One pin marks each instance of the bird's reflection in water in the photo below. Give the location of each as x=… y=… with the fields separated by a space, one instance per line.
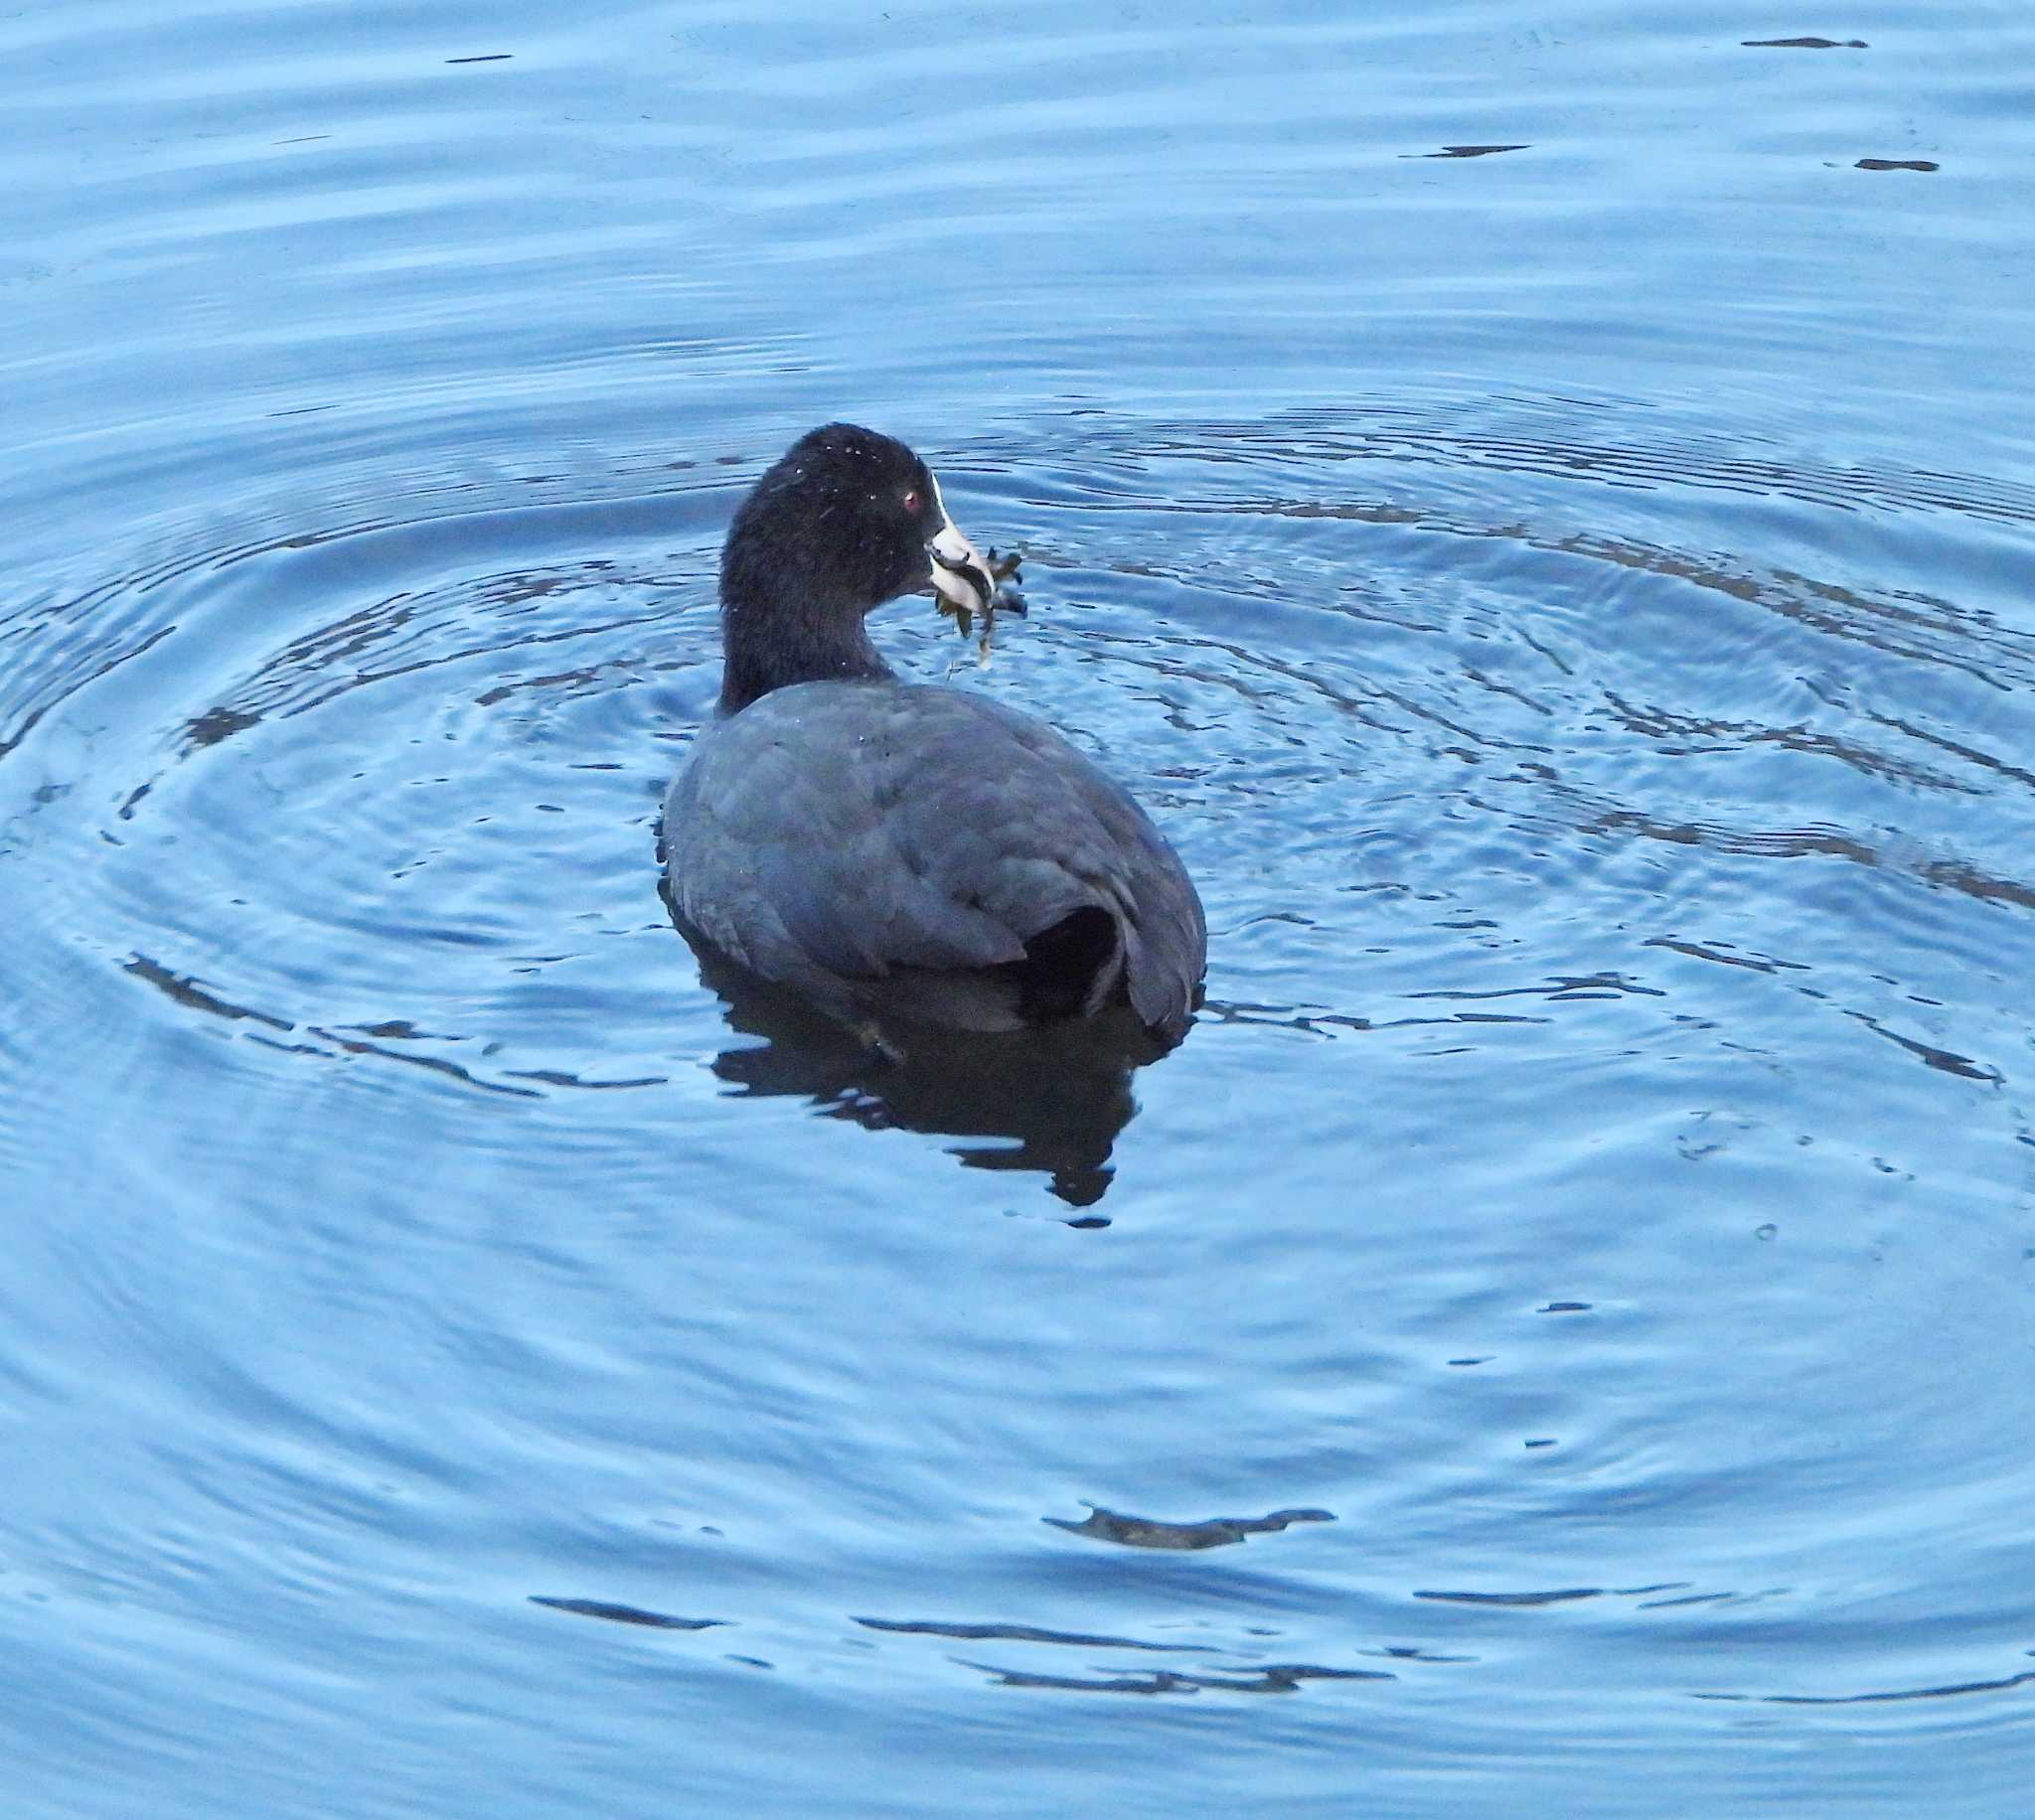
x=1056 y=1098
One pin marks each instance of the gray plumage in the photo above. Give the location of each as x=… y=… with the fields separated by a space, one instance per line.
x=891 y=850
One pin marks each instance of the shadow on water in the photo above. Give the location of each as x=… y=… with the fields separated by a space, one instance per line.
x=1051 y=1101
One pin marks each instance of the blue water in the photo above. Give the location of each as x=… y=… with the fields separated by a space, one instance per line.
x=1559 y=1336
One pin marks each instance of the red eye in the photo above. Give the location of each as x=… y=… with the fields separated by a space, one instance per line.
x=911 y=499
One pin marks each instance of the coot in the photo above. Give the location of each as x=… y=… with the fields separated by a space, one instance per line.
x=888 y=851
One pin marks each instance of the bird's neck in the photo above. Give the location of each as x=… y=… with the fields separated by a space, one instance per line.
x=767 y=645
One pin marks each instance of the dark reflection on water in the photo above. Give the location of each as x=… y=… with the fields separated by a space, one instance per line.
x=1470 y=151
x=1210 y=1532
x=1561 y=1596
x=2005 y=1684
x=1279 y=1678
x=188 y=992
x=1058 y=1097
x=1606 y=439
x=1571 y=610
x=1020 y=1633
x=626 y=1615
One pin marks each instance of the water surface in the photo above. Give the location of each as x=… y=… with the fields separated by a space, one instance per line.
x=1539 y=507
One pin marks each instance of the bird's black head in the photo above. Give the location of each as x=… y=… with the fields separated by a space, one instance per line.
x=846 y=519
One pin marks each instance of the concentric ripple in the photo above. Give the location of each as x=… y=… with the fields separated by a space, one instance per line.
x=1560 y=1322
x=1500 y=777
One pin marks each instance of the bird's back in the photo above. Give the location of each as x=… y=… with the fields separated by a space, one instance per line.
x=867 y=842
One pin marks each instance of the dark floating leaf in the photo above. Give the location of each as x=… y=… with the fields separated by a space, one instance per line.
x=1802 y=44
x=626 y=1615
x=1469 y=151
x=1898 y=164
x=1212 y=1532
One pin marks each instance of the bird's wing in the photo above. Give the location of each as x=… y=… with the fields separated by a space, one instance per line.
x=847 y=831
